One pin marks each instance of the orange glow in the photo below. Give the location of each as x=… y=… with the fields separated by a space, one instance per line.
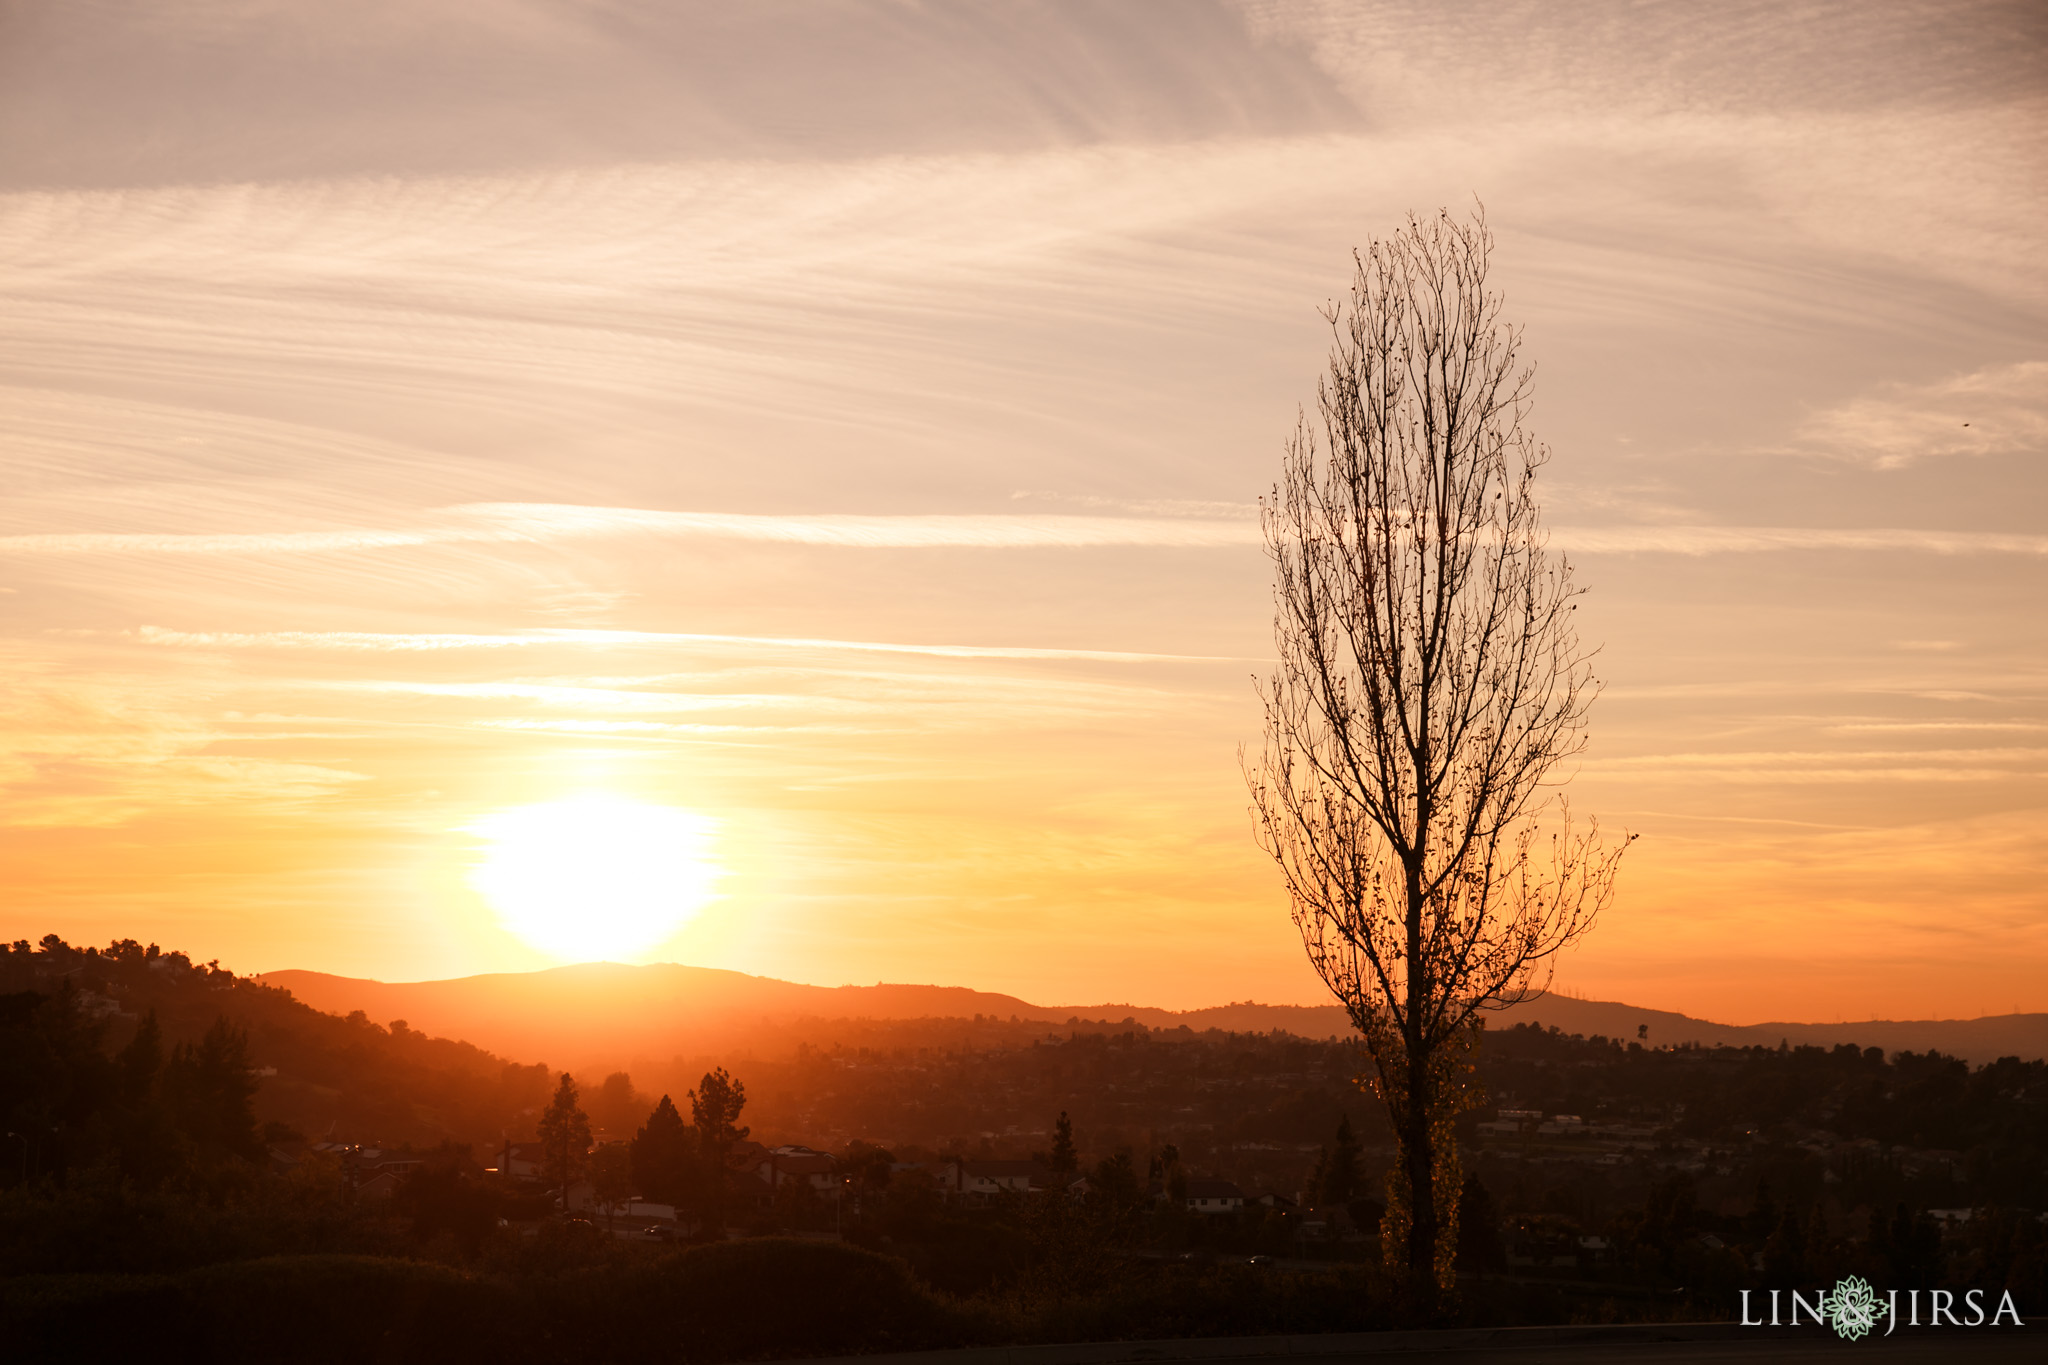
x=869 y=464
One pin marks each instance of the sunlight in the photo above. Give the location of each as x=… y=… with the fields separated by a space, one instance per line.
x=595 y=876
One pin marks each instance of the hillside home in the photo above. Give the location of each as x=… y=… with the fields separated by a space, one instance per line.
x=980 y=1181
x=789 y=1164
x=1213 y=1196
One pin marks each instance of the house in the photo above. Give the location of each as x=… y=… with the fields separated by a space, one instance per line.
x=379 y=1186
x=397 y=1163
x=583 y=1199
x=980 y=1181
x=365 y=1163
x=1213 y=1196
x=790 y=1164
x=522 y=1161
x=1273 y=1200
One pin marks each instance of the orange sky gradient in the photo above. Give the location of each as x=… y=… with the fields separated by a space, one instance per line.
x=844 y=425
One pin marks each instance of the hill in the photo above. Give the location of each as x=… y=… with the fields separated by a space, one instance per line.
x=317 y=1072
x=603 y=1014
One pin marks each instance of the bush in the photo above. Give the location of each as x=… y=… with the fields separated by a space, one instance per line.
x=314 y=1309
x=759 y=1299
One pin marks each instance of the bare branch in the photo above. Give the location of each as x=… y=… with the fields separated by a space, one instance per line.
x=1430 y=679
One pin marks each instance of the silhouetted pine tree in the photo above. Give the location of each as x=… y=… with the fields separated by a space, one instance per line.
x=210 y=1092
x=1064 y=1160
x=564 y=1136
x=661 y=1155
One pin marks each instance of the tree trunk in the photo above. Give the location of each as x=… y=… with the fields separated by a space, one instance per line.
x=1418 y=1150
x=1419 y=1156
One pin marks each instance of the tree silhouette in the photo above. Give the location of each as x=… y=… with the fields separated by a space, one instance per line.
x=715 y=1107
x=613 y=1105
x=1337 y=1178
x=1479 y=1245
x=1063 y=1159
x=661 y=1155
x=611 y=1178
x=564 y=1137
x=1429 y=682
x=211 y=1093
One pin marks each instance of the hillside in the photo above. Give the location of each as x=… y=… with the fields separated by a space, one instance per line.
x=318 y=1072
x=604 y=1014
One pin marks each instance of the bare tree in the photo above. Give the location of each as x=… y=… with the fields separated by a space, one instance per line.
x=1430 y=681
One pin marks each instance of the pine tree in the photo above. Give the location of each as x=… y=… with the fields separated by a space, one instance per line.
x=661 y=1155
x=564 y=1136
x=1340 y=1177
x=211 y=1093
x=1064 y=1160
x=715 y=1107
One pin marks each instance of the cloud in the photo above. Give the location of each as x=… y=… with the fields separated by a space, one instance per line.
x=368 y=640
x=1922 y=726
x=104 y=753
x=597 y=698
x=248 y=90
x=1708 y=540
x=543 y=521
x=1812 y=768
x=1156 y=507
x=1997 y=411
x=511 y=523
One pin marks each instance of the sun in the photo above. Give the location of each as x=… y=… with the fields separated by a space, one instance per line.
x=595 y=876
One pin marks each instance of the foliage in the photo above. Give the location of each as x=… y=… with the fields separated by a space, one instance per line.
x=731 y=1301
x=142 y=1005
x=1063 y=1159
x=137 y=1208
x=715 y=1107
x=1433 y=1096
x=611 y=1176
x=1429 y=680
x=564 y=1136
x=208 y=1089
x=1336 y=1178
x=661 y=1155
x=614 y=1105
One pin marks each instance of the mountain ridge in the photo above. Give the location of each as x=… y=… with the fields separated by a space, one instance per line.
x=611 y=1012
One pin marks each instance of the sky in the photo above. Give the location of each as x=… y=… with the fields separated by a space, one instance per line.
x=836 y=429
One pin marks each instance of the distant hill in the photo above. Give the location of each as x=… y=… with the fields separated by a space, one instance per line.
x=605 y=1013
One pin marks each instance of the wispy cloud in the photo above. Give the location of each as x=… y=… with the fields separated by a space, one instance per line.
x=596 y=698
x=509 y=523
x=1995 y=411
x=1809 y=767
x=1153 y=507
x=536 y=522
x=1935 y=726
x=401 y=642
x=542 y=521
x=1711 y=540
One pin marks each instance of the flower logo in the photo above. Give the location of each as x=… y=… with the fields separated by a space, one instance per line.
x=1852 y=1307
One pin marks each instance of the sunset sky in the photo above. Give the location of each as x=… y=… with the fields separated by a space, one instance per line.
x=834 y=430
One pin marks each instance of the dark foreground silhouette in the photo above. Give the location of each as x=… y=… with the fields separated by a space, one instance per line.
x=198 y=1167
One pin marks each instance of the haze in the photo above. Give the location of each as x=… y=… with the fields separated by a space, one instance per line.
x=842 y=423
